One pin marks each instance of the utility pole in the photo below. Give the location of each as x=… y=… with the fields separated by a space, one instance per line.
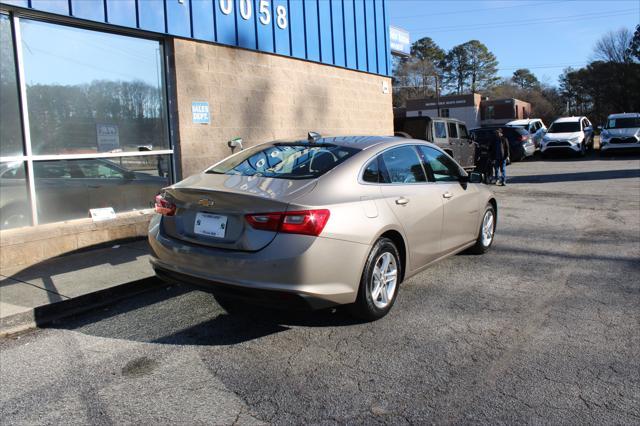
x=437 y=95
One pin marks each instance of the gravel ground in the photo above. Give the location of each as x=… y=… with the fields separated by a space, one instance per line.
x=543 y=329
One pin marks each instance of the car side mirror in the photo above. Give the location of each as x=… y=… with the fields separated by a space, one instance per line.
x=475 y=177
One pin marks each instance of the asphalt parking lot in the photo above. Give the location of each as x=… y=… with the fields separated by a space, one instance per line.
x=543 y=329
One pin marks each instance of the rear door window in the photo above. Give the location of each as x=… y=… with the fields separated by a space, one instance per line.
x=372 y=173
x=402 y=165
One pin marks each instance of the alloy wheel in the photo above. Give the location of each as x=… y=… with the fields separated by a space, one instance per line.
x=487 y=228
x=383 y=284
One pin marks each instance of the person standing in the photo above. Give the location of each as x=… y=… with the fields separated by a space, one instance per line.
x=500 y=154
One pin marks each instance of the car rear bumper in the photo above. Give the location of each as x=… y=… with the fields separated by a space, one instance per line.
x=319 y=271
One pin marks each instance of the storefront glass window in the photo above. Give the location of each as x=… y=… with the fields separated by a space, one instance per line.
x=92 y=92
x=10 y=125
x=14 y=201
x=68 y=189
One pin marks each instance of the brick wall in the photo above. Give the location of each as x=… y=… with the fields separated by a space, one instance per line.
x=261 y=97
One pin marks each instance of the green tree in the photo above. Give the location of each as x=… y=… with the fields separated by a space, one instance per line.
x=470 y=65
x=456 y=68
x=426 y=49
x=415 y=76
x=525 y=79
x=483 y=66
x=591 y=90
x=634 y=47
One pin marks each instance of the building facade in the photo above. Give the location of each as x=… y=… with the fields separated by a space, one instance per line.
x=104 y=102
x=501 y=111
x=462 y=107
x=474 y=109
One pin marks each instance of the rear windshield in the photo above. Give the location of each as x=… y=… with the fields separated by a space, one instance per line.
x=566 y=127
x=623 y=123
x=285 y=161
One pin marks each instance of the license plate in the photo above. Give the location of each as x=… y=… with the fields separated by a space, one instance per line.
x=211 y=225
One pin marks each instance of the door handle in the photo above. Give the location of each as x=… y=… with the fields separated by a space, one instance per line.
x=447 y=195
x=402 y=201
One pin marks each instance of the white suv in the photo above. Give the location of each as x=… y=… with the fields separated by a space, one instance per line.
x=534 y=126
x=621 y=131
x=569 y=134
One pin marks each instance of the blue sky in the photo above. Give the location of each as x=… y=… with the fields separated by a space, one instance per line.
x=545 y=36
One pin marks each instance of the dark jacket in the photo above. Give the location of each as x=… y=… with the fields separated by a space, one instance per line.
x=500 y=148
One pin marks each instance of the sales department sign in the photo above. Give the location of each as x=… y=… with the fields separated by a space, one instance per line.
x=200 y=112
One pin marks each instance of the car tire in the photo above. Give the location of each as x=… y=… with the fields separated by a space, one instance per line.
x=375 y=299
x=486 y=232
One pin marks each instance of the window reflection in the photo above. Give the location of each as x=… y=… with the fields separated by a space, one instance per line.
x=68 y=189
x=14 y=200
x=92 y=92
x=10 y=125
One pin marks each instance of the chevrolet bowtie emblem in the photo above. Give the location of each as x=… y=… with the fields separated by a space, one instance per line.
x=205 y=202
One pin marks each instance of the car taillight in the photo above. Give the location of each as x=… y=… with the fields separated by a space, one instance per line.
x=305 y=222
x=164 y=206
x=265 y=221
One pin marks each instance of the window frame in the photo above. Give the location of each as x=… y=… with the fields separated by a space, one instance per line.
x=28 y=158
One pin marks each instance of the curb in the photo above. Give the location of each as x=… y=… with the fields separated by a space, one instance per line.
x=45 y=314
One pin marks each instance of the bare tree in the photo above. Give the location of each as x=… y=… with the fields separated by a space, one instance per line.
x=614 y=47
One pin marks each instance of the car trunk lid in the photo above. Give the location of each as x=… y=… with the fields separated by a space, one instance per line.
x=211 y=208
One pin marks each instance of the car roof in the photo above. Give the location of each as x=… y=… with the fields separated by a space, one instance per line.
x=568 y=119
x=361 y=142
x=625 y=115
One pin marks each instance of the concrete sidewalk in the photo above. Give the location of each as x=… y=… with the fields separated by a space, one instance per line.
x=71 y=283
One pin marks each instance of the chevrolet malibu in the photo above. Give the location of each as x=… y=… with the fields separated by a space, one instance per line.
x=320 y=222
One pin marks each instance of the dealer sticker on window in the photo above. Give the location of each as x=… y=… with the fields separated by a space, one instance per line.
x=211 y=225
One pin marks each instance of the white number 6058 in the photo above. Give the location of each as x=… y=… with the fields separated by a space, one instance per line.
x=226 y=7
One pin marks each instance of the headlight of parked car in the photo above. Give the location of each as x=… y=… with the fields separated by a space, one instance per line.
x=575 y=140
x=605 y=135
